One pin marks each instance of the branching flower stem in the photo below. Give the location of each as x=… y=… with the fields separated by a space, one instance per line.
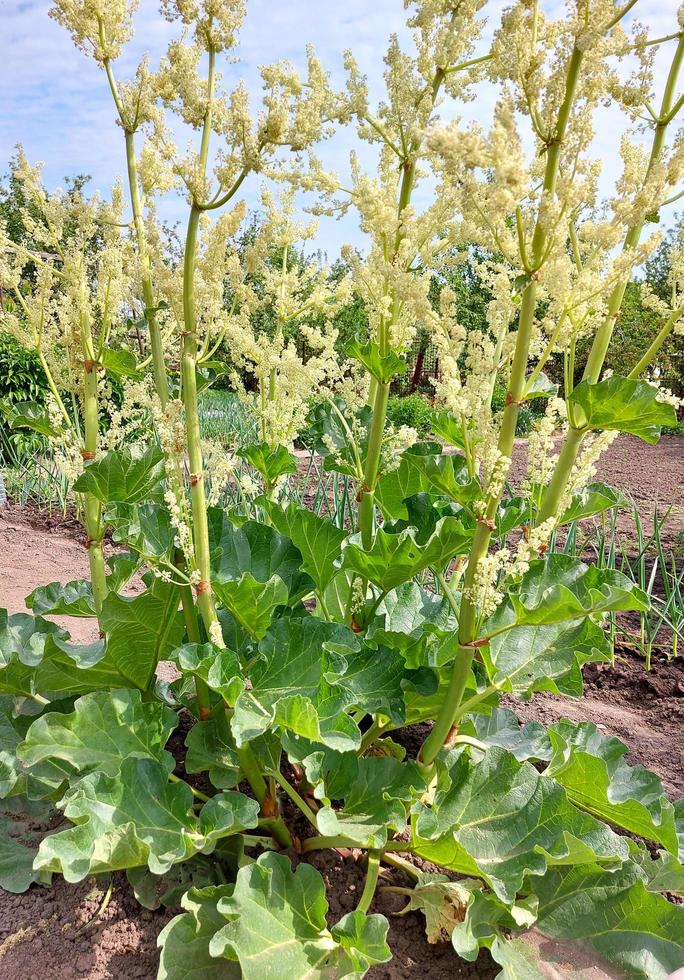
x=599 y=348
x=161 y=380
x=205 y=599
x=91 y=422
x=468 y=614
x=380 y=391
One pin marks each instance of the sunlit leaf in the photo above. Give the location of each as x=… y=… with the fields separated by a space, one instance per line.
x=278 y=926
x=501 y=820
x=137 y=818
x=131 y=474
x=142 y=630
x=592 y=499
x=376 y=792
x=591 y=768
x=271 y=462
x=613 y=912
x=144 y=527
x=318 y=541
x=184 y=941
x=383 y=367
x=219 y=669
x=545 y=658
x=29 y=415
x=396 y=558
x=624 y=405
x=103 y=729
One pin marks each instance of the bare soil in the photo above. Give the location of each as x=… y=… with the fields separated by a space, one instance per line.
x=60 y=933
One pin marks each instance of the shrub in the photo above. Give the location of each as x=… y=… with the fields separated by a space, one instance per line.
x=21 y=379
x=411 y=410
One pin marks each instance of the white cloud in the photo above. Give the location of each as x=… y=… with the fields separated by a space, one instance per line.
x=56 y=101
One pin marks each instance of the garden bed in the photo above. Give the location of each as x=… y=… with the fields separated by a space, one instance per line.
x=61 y=933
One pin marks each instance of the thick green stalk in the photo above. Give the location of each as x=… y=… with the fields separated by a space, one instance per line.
x=468 y=618
x=161 y=381
x=601 y=342
x=379 y=393
x=371 y=882
x=658 y=341
x=372 y=464
x=200 y=524
x=92 y=507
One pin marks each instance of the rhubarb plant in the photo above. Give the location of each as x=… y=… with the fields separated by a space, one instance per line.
x=303 y=649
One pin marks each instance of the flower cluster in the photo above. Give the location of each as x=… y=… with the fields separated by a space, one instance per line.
x=280 y=332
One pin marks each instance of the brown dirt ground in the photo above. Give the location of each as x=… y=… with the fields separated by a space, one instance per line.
x=57 y=934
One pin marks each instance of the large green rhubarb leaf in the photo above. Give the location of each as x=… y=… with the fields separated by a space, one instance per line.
x=103 y=729
x=394 y=559
x=501 y=820
x=144 y=527
x=76 y=598
x=132 y=474
x=417 y=622
x=408 y=479
x=623 y=404
x=17 y=779
x=29 y=415
x=613 y=911
x=278 y=926
x=545 y=658
x=185 y=940
x=592 y=499
x=448 y=474
x=318 y=541
x=591 y=768
x=662 y=872
x=36 y=657
x=502 y=728
x=72 y=599
x=138 y=818
x=211 y=748
x=252 y=603
x=383 y=367
x=560 y=587
x=271 y=462
x=254 y=549
x=219 y=669
x=23 y=638
x=376 y=792
x=309 y=673
x=255 y=570
x=142 y=630
x=290 y=684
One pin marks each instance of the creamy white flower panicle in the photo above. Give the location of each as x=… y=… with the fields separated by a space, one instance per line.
x=541 y=452
x=83 y=267
x=99 y=27
x=279 y=330
x=442 y=191
x=216 y=23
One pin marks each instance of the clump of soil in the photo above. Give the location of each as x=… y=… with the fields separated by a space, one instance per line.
x=59 y=933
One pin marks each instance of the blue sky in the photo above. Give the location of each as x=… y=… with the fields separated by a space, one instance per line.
x=55 y=100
